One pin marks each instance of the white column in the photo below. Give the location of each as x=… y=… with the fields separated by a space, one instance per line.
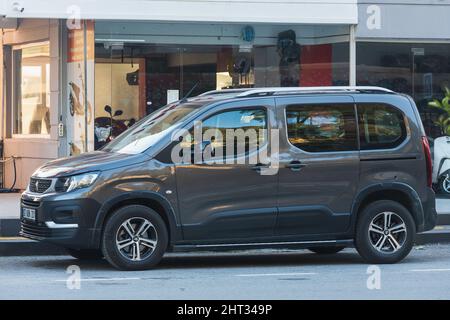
x=352 y=77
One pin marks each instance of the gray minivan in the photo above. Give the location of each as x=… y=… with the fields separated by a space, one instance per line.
x=311 y=168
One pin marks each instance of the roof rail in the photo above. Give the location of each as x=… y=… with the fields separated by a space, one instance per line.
x=293 y=90
x=223 y=91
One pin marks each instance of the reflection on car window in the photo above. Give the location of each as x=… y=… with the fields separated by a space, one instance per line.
x=246 y=127
x=150 y=129
x=322 y=128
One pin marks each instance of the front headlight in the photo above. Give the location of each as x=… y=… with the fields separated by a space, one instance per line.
x=76 y=182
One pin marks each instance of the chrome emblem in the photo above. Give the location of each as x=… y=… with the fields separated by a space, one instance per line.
x=37 y=185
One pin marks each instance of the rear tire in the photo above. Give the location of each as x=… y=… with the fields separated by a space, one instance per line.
x=385 y=232
x=85 y=254
x=135 y=237
x=327 y=250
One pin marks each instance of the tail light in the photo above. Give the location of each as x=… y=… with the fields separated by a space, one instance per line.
x=427 y=151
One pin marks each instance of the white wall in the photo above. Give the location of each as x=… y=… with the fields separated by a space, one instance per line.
x=426 y=20
x=269 y=11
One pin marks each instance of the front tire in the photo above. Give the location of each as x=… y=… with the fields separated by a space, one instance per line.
x=135 y=237
x=385 y=232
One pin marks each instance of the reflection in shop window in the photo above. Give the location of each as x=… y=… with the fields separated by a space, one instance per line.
x=421 y=70
x=31 y=108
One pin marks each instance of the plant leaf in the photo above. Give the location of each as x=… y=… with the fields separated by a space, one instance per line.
x=435 y=103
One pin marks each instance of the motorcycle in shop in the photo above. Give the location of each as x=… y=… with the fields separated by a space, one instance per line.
x=108 y=128
x=440 y=149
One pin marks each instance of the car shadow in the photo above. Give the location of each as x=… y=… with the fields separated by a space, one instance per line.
x=217 y=260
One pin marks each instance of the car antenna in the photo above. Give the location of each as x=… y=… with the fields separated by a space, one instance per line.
x=184 y=99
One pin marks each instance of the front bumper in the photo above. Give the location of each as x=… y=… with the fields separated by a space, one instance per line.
x=69 y=223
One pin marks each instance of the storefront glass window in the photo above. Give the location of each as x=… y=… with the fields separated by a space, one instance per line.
x=31 y=105
x=421 y=70
x=140 y=67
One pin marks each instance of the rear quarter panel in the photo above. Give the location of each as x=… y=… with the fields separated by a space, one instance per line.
x=402 y=164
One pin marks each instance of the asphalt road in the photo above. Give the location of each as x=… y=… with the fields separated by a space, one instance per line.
x=267 y=274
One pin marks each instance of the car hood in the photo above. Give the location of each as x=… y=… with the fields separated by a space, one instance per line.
x=86 y=162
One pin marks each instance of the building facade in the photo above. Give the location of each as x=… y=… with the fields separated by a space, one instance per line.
x=69 y=65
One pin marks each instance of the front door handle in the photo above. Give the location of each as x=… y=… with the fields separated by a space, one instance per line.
x=295 y=165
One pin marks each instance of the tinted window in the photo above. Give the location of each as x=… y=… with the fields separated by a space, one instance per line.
x=381 y=126
x=247 y=127
x=322 y=128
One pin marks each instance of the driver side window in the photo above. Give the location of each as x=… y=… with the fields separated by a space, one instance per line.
x=231 y=133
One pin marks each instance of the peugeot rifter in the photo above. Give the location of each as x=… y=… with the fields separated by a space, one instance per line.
x=311 y=168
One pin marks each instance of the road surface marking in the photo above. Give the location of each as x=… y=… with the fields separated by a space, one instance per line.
x=275 y=274
x=100 y=279
x=429 y=270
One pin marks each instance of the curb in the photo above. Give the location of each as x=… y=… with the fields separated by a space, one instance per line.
x=9 y=227
x=24 y=247
x=441 y=234
x=443 y=219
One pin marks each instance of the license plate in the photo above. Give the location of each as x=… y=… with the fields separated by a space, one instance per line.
x=29 y=214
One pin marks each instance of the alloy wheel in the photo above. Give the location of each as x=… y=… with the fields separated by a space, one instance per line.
x=136 y=239
x=387 y=232
x=446 y=184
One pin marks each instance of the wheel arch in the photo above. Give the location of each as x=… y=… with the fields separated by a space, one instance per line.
x=150 y=199
x=399 y=192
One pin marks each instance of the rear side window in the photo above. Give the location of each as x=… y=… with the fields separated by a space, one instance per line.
x=381 y=126
x=322 y=127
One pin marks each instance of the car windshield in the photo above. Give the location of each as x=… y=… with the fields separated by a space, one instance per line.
x=150 y=129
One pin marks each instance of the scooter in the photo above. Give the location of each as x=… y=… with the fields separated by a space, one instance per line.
x=107 y=128
x=440 y=150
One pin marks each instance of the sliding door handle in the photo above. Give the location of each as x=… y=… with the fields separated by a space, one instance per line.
x=295 y=165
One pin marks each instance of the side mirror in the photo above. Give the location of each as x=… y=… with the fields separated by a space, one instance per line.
x=118 y=113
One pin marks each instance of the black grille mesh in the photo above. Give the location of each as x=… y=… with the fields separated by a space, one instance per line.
x=39 y=185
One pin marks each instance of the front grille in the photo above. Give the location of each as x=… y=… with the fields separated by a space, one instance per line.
x=41 y=231
x=30 y=203
x=40 y=185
